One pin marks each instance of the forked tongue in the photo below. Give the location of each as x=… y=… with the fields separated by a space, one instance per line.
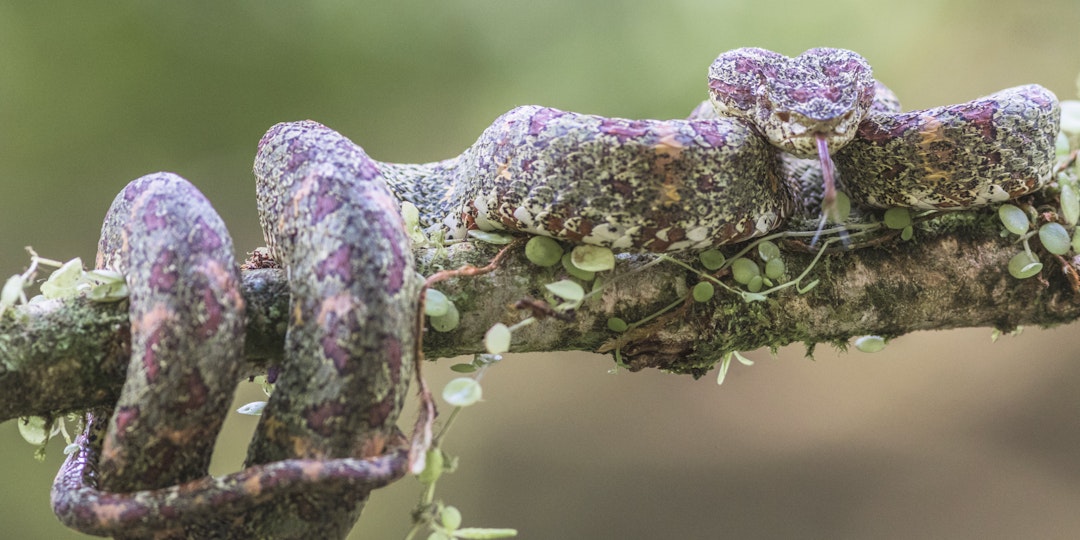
x=828 y=173
x=830 y=211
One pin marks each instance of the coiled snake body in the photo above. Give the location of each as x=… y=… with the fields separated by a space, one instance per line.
x=328 y=212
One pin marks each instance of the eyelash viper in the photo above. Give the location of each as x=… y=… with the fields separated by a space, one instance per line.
x=330 y=217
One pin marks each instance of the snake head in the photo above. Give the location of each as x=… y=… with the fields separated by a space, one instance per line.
x=793 y=102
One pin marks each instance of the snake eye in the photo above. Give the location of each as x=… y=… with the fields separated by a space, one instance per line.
x=783 y=116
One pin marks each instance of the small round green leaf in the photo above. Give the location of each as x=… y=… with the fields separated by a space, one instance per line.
x=410 y=214
x=491 y=237
x=907 y=233
x=462 y=392
x=1014 y=219
x=32 y=429
x=463 y=368
x=703 y=291
x=768 y=251
x=1054 y=238
x=447 y=322
x=106 y=285
x=497 y=339
x=583 y=275
x=774 y=268
x=543 y=251
x=567 y=290
x=1070 y=203
x=743 y=270
x=1022 y=266
x=755 y=284
x=62 y=282
x=897 y=218
x=433 y=466
x=592 y=258
x=870 y=344
x=436 y=304
x=450 y=518
x=108 y=292
x=712 y=259
x=616 y=324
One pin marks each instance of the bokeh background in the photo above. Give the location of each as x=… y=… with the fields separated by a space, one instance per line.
x=942 y=435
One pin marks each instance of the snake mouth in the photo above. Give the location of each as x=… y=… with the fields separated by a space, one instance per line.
x=798 y=134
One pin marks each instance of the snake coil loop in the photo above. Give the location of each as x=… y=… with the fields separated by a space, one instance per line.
x=328 y=435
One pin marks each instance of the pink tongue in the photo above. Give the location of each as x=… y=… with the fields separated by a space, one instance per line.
x=828 y=172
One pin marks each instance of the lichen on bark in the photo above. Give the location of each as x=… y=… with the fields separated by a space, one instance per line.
x=952 y=274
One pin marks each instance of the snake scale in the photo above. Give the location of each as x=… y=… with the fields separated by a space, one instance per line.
x=330 y=217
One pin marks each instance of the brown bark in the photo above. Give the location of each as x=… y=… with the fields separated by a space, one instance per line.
x=63 y=356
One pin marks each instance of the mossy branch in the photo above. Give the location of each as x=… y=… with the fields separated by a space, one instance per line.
x=67 y=355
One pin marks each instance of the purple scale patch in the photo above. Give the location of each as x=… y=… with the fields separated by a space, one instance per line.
x=325 y=417
x=740 y=95
x=150 y=363
x=747 y=65
x=624 y=130
x=133 y=190
x=163 y=276
x=152 y=218
x=125 y=418
x=710 y=131
x=334 y=351
x=541 y=118
x=885 y=132
x=368 y=168
x=297 y=158
x=204 y=238
x=324 y=203
x=338 y=264
x=981 y=117
x=214 y=311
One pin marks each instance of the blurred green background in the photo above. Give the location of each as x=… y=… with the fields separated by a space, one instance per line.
x=941 y=435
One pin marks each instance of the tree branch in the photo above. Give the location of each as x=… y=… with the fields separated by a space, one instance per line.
x=67 y=355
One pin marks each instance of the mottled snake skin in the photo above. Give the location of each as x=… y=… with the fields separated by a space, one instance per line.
x=987 y=150
x=733 y=171
x=673 y=185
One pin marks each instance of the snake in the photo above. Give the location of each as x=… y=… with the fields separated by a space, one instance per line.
x=331 y=218
x=728 y=172
x=327 y=436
